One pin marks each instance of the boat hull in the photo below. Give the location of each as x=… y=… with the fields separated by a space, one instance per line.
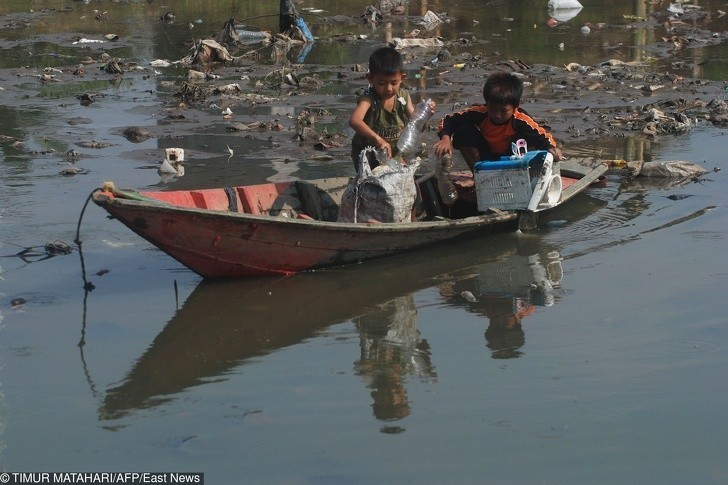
x=198 y=229
x=217 y=244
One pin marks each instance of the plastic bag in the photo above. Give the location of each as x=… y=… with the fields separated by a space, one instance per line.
x=675 y=169
x=385 y=194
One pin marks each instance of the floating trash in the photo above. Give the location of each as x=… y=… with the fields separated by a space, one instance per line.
x=468 y=296
x=83 y=40
x=172 y=163
x=564 y=10
x=57 y=246
x=72 y=170
x=136 y=134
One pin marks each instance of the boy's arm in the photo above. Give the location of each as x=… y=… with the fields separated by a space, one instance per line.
x=450 y=123
x=410 y=106
x=356 y=121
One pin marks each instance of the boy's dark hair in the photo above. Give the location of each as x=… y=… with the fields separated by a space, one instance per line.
x=385 y=60
x=503 y=88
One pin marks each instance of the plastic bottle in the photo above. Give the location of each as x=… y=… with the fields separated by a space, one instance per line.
x=250 y=34
x=305 y=31
x=383 y=159
x=407 y=142
x=447 y=190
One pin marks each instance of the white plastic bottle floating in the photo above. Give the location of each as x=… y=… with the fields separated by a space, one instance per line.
x=407 y=142
x=447 y=190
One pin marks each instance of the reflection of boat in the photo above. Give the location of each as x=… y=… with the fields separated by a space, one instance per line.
x=287 y=227
x=223 y=324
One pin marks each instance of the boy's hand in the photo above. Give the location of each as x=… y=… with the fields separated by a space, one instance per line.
x=384 y=146
x=443 y=147
x=556 y=153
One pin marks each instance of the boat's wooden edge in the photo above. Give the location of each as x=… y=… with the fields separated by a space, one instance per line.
x=126 y=194
x=109 y=203
x=586 y=176
x=578 y=167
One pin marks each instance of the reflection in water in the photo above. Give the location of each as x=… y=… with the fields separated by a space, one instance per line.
x=392 y=350
x=224 y=324
x=288 y=53
x=505 y=292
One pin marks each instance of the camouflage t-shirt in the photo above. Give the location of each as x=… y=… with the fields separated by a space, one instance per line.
x=387 y=124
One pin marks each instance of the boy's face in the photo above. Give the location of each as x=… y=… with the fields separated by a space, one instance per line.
x=386 y=85
x=500 y=114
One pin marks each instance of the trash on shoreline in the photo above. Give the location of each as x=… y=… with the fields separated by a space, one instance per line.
x=400 y=43
x=232 y=88
x=234 y=35
x=431 y=20
x=291 y=24
x=207 y=51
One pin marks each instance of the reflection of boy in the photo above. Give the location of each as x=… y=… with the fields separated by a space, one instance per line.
x=485 y=132
x=391 y=349
x=504 y=335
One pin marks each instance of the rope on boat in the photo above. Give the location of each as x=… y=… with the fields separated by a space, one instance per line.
x=87 y=285
x=80 y=217
x=356 y=199
x=106 y=187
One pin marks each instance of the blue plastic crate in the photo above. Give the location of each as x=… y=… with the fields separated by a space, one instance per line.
x=508 y=183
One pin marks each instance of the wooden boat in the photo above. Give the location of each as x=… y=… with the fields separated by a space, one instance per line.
x=289 y=227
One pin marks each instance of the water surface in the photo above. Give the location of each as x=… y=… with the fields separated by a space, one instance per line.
x=592 y=350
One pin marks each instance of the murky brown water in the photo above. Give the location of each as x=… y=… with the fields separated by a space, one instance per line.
x=407 y=369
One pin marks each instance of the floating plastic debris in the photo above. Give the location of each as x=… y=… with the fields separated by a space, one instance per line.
x=564 y=10
x=172 y=164
x=83 y=40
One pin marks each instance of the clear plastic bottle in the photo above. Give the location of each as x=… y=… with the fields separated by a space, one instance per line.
x=250 y=34
x=407 y=142
x=448 y=192
x=383 y=159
